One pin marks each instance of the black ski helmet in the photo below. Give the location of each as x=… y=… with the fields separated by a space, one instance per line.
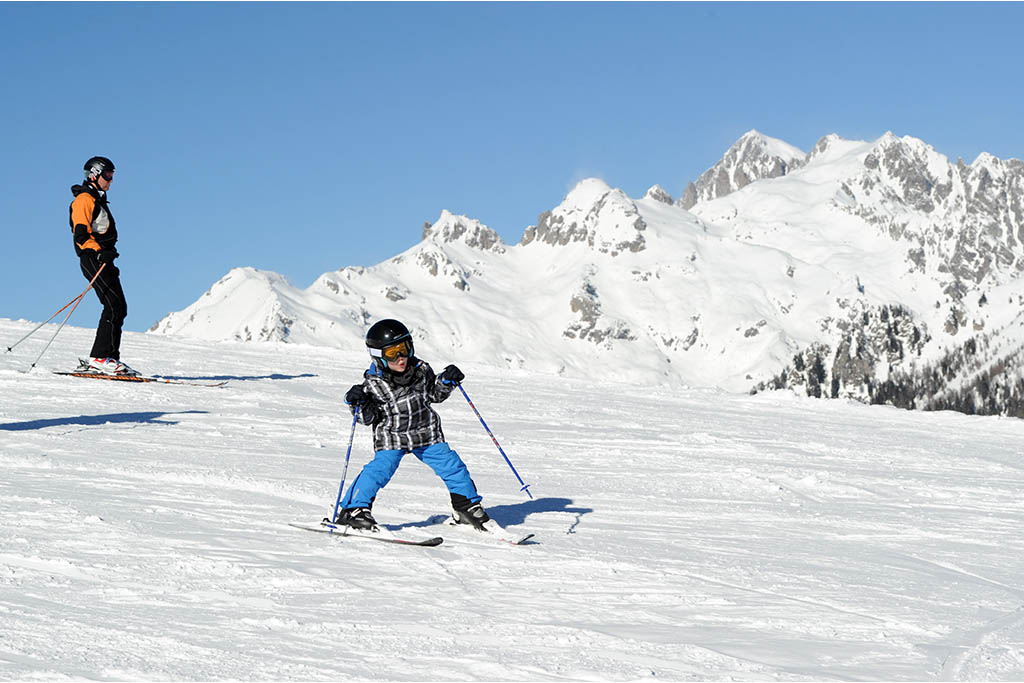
x=385 y=333
x=97 y=166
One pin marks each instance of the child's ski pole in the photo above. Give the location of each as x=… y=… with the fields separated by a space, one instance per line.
x=526 y=486
x=348 y=453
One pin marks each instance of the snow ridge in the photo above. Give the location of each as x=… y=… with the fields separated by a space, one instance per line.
x=831 y=273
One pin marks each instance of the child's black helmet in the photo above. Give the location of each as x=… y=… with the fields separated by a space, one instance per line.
x=386 y=334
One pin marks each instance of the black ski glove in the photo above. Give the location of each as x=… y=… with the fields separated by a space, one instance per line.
x=356 y=396
x=372 y=413
x=451 y=375
x=107 y=256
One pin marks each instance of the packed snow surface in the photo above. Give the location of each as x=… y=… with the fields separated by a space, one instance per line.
x=680 y=533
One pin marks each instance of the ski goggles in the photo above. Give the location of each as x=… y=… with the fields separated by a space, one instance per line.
x=396 y=351
x=107 y=175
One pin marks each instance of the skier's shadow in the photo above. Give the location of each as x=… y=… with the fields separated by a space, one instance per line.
x=511 y=515
x=152 y=418
x=234 y=378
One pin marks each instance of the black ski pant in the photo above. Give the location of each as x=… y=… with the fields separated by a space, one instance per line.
x=115 y=307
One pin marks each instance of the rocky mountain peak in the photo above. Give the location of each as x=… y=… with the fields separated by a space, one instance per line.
x=753 y=157
x=605 y=219
x=659 y=194
x=962 y=223
x=451 y=228
x=585 y=195
x=824 y=143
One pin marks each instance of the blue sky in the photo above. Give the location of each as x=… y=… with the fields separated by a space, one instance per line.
x=304 y=137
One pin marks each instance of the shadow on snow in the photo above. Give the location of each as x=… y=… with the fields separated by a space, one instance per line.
x=112 y=418
x=512 y=515
x=233 y=378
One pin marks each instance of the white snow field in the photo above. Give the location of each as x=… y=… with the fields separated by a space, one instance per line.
x=680 y=533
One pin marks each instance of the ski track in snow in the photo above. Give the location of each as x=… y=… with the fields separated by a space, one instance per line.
x=681 y=534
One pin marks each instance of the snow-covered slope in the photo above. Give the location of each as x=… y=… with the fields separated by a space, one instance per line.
x=589 y=290
x=868 y=258
x=939 y=244
x=682 y=534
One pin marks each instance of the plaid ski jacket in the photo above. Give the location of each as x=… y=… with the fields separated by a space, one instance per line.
x=408 y=420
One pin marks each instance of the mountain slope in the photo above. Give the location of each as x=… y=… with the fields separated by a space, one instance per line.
x=588 y=288
x=810 y=257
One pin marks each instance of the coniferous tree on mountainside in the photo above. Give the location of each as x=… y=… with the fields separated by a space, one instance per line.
x=959 y=380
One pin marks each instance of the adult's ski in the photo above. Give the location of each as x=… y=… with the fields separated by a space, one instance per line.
x=337 y=531
x=139 y=379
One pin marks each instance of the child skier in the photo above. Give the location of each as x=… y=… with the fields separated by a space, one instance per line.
x=395 y=399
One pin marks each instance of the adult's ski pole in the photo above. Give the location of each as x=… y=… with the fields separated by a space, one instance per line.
x=526 y=487
x=73 y=301
x=102 y=266
x=348 y=453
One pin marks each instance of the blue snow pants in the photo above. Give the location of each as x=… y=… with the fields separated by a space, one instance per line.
x=445 y=462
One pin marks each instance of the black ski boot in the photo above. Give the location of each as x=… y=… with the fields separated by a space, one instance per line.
x=357 y=518
x=474 y=514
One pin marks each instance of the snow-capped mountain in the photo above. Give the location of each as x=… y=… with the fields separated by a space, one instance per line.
x=842 y=272
x=753 y=157
x=942 y=241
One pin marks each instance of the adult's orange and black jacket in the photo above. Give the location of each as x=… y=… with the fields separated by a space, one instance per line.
x=91 y=220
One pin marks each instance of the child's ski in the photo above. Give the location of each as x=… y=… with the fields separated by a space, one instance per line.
x=347 y=532
x=491 y=533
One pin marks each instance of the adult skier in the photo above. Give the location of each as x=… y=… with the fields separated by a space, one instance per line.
x=395 y=399
x=95 y=238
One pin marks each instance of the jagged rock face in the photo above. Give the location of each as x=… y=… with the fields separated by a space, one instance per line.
x=821 y=146
x=451 y=228
x=438 y=264
x=690 y=197
x=276 y=328
x=960 y=222
x=591 y=324
x=658 y=194
x=868 y=344
x=610 y=223
x=981 y=376
x=993 y=220
x=753 y=157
